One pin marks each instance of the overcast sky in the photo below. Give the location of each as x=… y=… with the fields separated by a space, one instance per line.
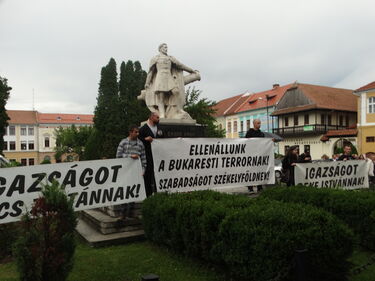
x=56 y=48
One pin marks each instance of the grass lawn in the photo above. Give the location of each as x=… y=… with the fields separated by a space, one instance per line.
x=130 y=262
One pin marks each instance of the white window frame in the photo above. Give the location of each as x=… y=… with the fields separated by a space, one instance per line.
x=371 y=105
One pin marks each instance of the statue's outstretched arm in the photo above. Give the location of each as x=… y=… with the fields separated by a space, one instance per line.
x=181 y=66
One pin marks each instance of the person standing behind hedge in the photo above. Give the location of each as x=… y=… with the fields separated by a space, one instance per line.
x=289 y=161
x=255 y=133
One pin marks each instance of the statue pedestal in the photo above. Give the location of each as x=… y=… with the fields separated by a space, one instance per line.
x=184 y=128
x=181 y=128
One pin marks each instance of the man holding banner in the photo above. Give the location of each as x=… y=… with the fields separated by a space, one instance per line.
x=255 y=133
x=347 y=155
x=147 y=133
x=132 y=147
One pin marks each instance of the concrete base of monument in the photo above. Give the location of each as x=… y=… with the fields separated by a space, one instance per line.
x=181 y=128
x=177 y=121
x=99 y=228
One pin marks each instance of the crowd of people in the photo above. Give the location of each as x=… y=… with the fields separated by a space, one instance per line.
x=292 y=157
x=138 y=146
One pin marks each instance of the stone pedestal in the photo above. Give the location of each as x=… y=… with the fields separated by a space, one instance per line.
x=183 y=128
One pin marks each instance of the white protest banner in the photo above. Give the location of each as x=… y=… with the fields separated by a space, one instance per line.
x=351 y=174
x=202 y=163
x=92 y=183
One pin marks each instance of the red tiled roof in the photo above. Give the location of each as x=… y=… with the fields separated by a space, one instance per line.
x=346 y=132
x=323 y=97
x=60 y=118
x=369 y=86
x=241 y=103
x=259 y=100
x=22 y=116
x=223 y=106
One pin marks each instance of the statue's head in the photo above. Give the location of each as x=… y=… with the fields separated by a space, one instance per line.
x=163 y=48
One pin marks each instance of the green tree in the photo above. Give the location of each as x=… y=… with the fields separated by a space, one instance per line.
x=107 y=119
x=71 y=141
x=132 y=80
x=202 y=110
x=4 y=96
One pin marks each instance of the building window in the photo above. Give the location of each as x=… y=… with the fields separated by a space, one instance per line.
x=306 y=148
x=286 y=121
x=247 y=124
x=23 y=162
x=31 y=162
x=235 y=126
x=23 y=145
x=371 y=105
x=341 y=120
x=307 y=121
x=241 y=126
x=286 y=148
x=329 y=117
x=370 y=139
x=295 y=120
x=12 y=145
x=12 y=130
x=31 y=131
x=6 y=131
x=23 y=131
x=347 y=120
x=5 y=145
x=323 y=119
x=46 y=142
x=31 y=145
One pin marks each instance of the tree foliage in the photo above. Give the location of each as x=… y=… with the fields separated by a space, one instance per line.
x=4 y=96
x=107 y=119
x=202 y=110
x=71 y=141
x=117 y=108
x=131 y=83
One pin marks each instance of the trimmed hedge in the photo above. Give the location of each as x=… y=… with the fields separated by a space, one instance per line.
x=356 y=209
x=253 y=239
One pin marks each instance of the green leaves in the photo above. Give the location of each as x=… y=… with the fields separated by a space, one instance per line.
x=202 y=110
x=4 y=96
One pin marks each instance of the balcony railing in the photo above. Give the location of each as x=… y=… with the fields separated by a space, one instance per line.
x=313 y=129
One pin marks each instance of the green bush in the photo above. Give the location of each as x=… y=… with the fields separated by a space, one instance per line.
x=253 y=239
x=45 y=249
x=8 y=235
x=356 y=209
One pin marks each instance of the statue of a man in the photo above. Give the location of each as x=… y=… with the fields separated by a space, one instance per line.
x=164 y=88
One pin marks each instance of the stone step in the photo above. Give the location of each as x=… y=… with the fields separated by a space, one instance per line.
x=98 y=239
x=117 y=210
x=106 y=224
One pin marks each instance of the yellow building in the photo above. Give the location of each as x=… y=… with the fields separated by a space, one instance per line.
x=21 y=137
x=366 y=118
x=30 y=136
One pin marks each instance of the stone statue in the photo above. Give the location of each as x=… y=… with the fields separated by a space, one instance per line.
x=164 y=91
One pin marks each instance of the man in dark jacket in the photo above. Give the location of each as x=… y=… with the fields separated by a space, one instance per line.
x=347 y=155
x=147 y=133
x=255 y=133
